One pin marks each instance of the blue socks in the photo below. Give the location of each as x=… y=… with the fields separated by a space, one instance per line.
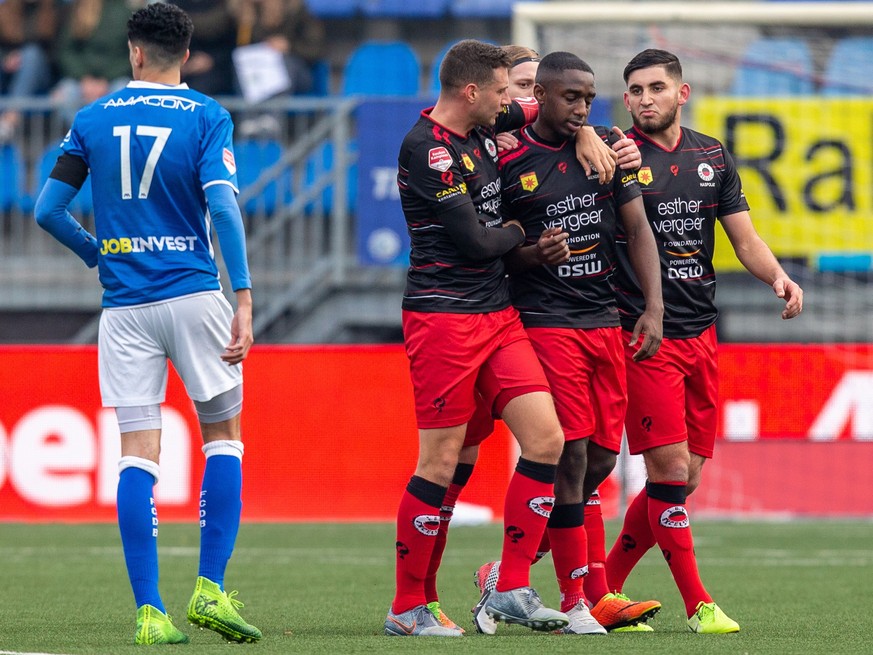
x=220 y=507
x=138 y=524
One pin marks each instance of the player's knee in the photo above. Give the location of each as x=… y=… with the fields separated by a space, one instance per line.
x=545 y=446
x=598 y=469
x=667 y=465
x=693 y=482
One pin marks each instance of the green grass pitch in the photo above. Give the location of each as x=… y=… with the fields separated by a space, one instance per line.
x=796 y=587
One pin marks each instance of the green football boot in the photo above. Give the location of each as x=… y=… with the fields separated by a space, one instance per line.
x=710 y=620
x=212 y=608
x=155 y=627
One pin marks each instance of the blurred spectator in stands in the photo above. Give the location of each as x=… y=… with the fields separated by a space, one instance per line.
x=287 y=27
x=27 y=30
x=209 y=69
x=91 y=58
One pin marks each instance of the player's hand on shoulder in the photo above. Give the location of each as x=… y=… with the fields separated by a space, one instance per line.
x=629 y=158
x=595 y=155
x=790 y=291
x=506 y=141
x=650 y=328
x=552 y=246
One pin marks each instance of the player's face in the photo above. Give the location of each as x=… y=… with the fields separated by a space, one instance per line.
x=492 y=98
x=565 y=102
x=521 y=79
x=653 y=98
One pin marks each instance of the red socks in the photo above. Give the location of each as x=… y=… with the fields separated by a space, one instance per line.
x=418 y=523
x=595 y=582
x=668 y=519
x=529 y=501
x=569 y=552
x=634 y=541
x=462 y=476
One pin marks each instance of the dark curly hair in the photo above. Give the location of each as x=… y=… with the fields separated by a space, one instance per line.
x=164 y=30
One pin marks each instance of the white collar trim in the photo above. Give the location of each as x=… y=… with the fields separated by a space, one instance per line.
x=139 y=84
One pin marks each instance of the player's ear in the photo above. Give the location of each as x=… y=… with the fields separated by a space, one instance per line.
x=185 y=58
x=539 y=93
x=684 y=93
x=471 y=93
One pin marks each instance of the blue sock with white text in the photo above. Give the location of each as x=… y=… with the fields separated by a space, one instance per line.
x=220 y=508
x=138 y=524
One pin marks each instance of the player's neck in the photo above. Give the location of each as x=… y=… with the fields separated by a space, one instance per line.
x=667 y=138
x=172 y=77
x=452 y=117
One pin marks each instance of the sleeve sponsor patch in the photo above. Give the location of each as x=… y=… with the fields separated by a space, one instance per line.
x=439 y=159
x=229 y=161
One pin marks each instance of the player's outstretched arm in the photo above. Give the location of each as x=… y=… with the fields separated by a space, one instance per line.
x=551 y=249
x=476 y=241
x=593 y=153
x=644 y=258
x=759 y=260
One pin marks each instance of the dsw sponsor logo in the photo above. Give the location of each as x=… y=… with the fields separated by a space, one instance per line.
x=56 y=456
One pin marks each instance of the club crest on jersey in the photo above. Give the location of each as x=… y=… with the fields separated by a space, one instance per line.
x=468 y=163
x=529 y=181
x=674 y=517
x=542 y=505
x=427 y=524
x=229 y=161
x=491 y=148
x=439 y=159
x=705 y=172
x=644 y=176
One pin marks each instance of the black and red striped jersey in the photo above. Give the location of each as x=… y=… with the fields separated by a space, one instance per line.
x=685 y=191
x=440 y=170
x=545 y=186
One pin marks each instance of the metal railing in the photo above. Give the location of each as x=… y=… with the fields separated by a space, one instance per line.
x=299 y=244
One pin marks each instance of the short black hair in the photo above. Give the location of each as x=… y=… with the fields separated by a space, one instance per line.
x=471 y=62
x=654 y=57
x=555 y=63
x=164 y=30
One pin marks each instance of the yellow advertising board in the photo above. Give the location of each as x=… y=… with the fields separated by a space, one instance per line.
x=806 y=166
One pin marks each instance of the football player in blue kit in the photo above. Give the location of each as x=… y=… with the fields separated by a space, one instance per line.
x=160 y=157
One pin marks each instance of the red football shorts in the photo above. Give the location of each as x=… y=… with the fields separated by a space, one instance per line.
x=672 y=397
x=452 y=357
x=585 y=369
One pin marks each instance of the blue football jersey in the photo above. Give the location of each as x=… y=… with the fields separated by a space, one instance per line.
x=152 y=149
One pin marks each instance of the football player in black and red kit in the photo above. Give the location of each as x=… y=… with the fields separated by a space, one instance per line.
x=464 y=338
x=569 y=310
x=688 y=181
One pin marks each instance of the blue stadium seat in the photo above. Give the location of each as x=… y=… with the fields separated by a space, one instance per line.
x=320 y=162
x=320 y=79
x=404 y=8
x=253 y=156
x=482 y=8
x=382 y=69
x=12 y=194
x=848 y=68
x=333 y=8
x=775 y=67
x=82 y=204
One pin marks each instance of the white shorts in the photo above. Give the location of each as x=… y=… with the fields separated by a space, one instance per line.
x=136 y=342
